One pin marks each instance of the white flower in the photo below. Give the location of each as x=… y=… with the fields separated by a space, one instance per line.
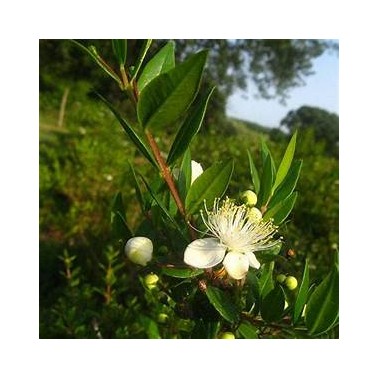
x=139 y=250
x=236 y=236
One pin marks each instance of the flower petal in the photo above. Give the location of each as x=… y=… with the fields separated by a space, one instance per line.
x=253 y=262
x=204 y=253
x=236 y=264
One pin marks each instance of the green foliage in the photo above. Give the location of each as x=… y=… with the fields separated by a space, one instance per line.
x=97 y=191
x=166 y=97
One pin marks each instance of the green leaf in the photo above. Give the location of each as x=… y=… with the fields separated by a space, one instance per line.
x=185 y=175
x=138 y=142
x=254 y=174
x=282 y=210
x=266 y=181
x=170 y=94
x=181 y=272
x=190 y=128
x=162 y=207
x=120 y=230
x=142 y=55
x=247 y=330
x=150 y=327
x=120 y=50
x=162 y=61
x=253 y=291
x=322 y=308
x=265 y=152
x=212 y=184
x=266 y=281
x=138 y=191
x=302 y=294
x=92 y=52
x=285 y=164
x=223 y=304
x=288 y=185
x=273 y=304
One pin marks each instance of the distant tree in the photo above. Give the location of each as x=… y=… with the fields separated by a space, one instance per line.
x=324 y=123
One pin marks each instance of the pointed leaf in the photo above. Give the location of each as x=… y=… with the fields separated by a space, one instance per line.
x=254 y=174
x=285 y=164
x=253 y=291
x=142 y=55
x=185 y=174
x=138 y=191
x=222 y=303
x=120 y=50
x=92 y=52
x=288 y=185
x=120 y=230
x=302 y=294
x=190 y=128
x=170 y=94
x=322 y=309
x=138 y=142
x=266 y=181
x=282 y=210
x=162 y=61
x=212 y=184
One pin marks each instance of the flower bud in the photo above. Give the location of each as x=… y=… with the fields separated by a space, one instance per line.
x=196 y=170
x=227 y=335
x=281 y=278
x=139 y=250
x=162 y=318
x=249 y=198
x=151 y=280
x=291 y=282
x=254 y=215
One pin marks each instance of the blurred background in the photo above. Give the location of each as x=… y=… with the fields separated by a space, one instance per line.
x=84 y=156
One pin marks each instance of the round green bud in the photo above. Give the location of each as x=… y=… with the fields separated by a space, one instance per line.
x=139 y=250
x=249 y=198
x=162 y=318
x=254 y=215
x=151 y=280
x=281 y=278
x=291 y=282
x=227 y=335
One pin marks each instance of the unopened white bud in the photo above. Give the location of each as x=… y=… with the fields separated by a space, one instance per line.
x=196 y=170
x=139 y=250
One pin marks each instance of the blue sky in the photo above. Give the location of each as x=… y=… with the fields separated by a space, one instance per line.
x=321 y=90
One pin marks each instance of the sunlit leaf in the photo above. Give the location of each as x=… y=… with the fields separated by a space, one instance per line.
x=162 y=61
x=181 y=272
x=285 y=164
x=170 y=94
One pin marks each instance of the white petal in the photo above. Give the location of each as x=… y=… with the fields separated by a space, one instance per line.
x=253 y=262
x=196 y=170
x=204 y=253
x=236 y=265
